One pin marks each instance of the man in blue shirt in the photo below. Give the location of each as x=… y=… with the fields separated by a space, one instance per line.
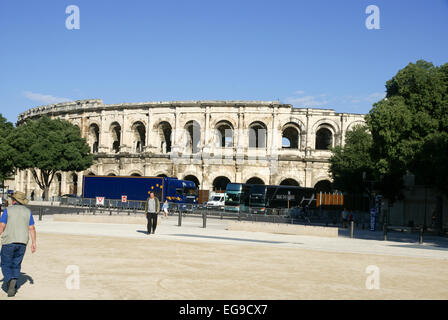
x=16 y=225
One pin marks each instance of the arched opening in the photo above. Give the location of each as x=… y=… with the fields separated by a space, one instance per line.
x=257 y=135
x=192 y=178
x=73 y=187
x=193 y=136
x=224 y=134
x=111 y=174
x=323 y=186
x=324 y=139
x=115 y=130
x=162 y=175
x=220 y=184
x=290 y=182
x=164 y=129
x=90 y=173
x=94 y=137
x=139 y=131
x=290 y=137
x=135 y=174
x=255 y=180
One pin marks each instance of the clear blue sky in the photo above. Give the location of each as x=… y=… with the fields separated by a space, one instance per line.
x=307 y=53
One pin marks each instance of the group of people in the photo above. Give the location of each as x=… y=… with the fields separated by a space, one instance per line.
x=152 y=208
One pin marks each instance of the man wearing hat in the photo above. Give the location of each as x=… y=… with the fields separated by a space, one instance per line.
x=16 y=224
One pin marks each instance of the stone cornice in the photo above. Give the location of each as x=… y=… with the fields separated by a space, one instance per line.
x=89 y=105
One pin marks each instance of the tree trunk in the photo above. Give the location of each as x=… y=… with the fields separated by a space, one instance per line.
x=46 y=192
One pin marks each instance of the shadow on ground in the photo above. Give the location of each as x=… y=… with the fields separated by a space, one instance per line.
x=23 y=278
x=228 y=238
x=429 y=241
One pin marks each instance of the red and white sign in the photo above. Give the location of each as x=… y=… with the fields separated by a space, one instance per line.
x=124 y=198
x=100 y=201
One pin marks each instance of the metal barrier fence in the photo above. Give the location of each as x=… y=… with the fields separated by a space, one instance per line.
x=108 y=203
x=315 y=216
x=183 y=211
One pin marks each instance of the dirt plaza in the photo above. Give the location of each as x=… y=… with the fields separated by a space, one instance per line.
x=119 y=261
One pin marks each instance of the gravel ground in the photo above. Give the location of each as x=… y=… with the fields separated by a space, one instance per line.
x=119 y=261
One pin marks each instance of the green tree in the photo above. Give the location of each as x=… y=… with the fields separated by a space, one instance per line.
x=431 y=163
x=406 y=125
x=390 y=123
x=348 y=163
x=46 y=146
x=6 y=151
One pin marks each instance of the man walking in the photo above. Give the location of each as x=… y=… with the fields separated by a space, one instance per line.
x=16 y=225
x=152 y=208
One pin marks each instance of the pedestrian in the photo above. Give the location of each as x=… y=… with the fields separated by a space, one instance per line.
x=16 y=225
x=344 y=215
x=152 y=208
x=165 y=209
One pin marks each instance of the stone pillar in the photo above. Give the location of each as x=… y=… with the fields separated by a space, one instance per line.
x=308 y=175
x=240 y=146
x=18 y=184
x=83 y=127
x=343 y=119
x=205 y=183
x=205 y=133
x=64 y=185
x=125 y=134
x=102 y=143
x=238 y=174
x=176 y=132
x=149 y=133
x=272 y=155
x=100 y=168
x=29 y=181
x=80 y=186
x=147 y=169
x=308 y=147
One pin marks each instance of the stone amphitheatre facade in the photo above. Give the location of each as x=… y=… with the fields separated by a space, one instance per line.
x=209 y=142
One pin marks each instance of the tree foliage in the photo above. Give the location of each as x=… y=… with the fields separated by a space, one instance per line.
x=409 y=133
x=6 y=151
x=46 y=146
x=348 y=164
x=408 y=127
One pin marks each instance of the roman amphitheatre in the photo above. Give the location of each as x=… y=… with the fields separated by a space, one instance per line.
x=209 y=142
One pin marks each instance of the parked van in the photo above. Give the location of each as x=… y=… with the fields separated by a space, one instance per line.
x=216 y=201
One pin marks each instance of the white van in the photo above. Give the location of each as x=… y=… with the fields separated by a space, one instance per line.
x=216 y=201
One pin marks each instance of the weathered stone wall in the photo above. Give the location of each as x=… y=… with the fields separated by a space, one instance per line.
x=238 y=162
